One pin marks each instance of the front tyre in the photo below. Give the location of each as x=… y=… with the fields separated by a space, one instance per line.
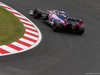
x=80 y=30
x=37 y=13
x=57 y=26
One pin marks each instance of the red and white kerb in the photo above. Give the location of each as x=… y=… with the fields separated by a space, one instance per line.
x=31 y=38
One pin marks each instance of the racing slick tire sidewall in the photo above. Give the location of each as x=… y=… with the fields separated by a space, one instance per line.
x=37 y=13
x=80 y=30
x=57 y=26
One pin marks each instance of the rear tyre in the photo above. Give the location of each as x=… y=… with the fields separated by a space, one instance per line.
x=80 y=30
x=37 y=13
x=57 y=26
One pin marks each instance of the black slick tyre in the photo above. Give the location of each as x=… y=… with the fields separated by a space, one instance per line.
x=57 y=26
x=37 y=13
x=80 y=30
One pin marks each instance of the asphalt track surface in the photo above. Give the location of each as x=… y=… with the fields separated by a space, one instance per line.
x=60 y=53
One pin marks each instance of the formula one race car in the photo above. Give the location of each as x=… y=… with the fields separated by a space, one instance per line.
x=59 y=20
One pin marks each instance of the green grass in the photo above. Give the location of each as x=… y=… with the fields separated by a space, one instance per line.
x=11 y=28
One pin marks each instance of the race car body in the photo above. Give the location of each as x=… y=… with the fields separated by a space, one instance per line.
x=59 y=20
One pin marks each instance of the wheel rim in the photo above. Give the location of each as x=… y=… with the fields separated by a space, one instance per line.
x=35 y=13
